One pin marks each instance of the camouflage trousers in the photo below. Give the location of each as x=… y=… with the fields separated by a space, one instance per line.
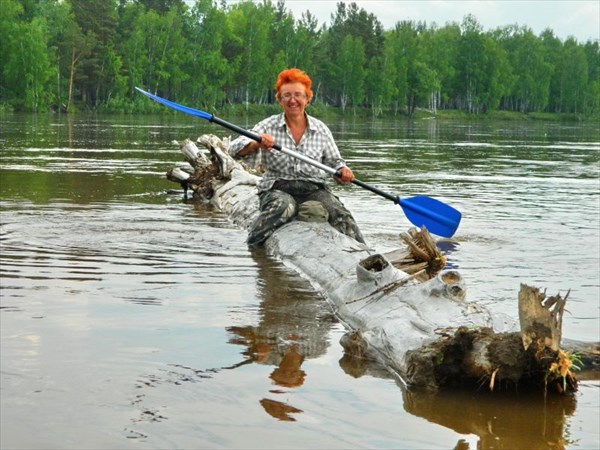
x=280 y=204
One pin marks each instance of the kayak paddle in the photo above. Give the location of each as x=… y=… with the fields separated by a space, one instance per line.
x=438 y=217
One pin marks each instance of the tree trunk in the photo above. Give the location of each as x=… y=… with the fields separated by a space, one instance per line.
x=401 y=309
x=71 y=78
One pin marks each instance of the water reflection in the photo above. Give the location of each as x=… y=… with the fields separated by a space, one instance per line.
x=500 y=420
x=448 y=247
x=279 y=410
x=294 y=325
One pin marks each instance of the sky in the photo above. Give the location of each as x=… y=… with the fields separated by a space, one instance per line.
x=567 y=18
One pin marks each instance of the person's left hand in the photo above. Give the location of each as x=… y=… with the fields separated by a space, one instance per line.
x=346 y=176
x=267 y=141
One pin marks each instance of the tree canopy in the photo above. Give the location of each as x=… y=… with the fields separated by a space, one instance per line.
x=70 y=54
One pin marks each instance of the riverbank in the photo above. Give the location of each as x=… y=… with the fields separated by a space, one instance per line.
x=321 y=110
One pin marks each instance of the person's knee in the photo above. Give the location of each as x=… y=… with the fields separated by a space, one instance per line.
x=276 y=209
x=283 y=207
x=340 y=217
x=277 y=201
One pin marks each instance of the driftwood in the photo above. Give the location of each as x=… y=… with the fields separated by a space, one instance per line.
x=401 y=308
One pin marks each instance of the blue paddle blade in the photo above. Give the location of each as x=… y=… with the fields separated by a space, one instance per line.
x=177 y=106
x=439 y=218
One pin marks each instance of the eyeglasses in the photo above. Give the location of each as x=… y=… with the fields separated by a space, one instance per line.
x=296 y=95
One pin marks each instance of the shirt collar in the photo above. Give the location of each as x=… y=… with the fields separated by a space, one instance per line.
x=310 y=123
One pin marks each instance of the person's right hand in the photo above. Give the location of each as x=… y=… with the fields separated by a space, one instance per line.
x=346 y=175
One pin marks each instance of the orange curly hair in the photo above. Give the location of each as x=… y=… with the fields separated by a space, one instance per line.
x=294 y=75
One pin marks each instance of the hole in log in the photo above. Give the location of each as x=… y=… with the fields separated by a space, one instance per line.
x=450 y=277
x=374 y=263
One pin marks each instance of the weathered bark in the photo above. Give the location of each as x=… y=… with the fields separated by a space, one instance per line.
x=541 y=318
x=414 y=321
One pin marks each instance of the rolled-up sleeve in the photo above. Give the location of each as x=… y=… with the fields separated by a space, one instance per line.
x=331 y=152
x=238 y=144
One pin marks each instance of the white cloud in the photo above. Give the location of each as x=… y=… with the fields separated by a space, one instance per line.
x=577 y=18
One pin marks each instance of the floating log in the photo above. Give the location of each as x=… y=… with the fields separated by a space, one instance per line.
x=402 y=309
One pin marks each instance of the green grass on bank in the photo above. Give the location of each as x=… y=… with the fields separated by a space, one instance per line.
x=142 y=105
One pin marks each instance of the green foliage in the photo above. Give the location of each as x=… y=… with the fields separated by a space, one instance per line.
x=27 y=69
x=562 y=369
x=63 y=54
x=351 y=71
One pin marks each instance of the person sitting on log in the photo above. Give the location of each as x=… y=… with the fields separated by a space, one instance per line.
x=288 y=182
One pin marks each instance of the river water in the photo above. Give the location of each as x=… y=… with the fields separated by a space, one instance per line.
x=131 y=318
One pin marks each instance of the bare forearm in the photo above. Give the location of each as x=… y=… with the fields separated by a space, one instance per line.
x=250 y=148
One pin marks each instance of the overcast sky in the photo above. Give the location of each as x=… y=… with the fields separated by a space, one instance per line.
x=577 y=18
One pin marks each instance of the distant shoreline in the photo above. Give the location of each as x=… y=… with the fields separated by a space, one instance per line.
x=325 y=111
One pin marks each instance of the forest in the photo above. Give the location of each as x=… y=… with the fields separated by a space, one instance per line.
x=74 y=55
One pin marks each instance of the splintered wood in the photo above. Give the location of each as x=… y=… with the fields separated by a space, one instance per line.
x=421 y=257
x=541 y=317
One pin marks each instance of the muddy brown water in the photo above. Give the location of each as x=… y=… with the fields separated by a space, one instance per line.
x=131 y=318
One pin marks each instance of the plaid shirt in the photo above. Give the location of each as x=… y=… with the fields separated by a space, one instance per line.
x=316 y=143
